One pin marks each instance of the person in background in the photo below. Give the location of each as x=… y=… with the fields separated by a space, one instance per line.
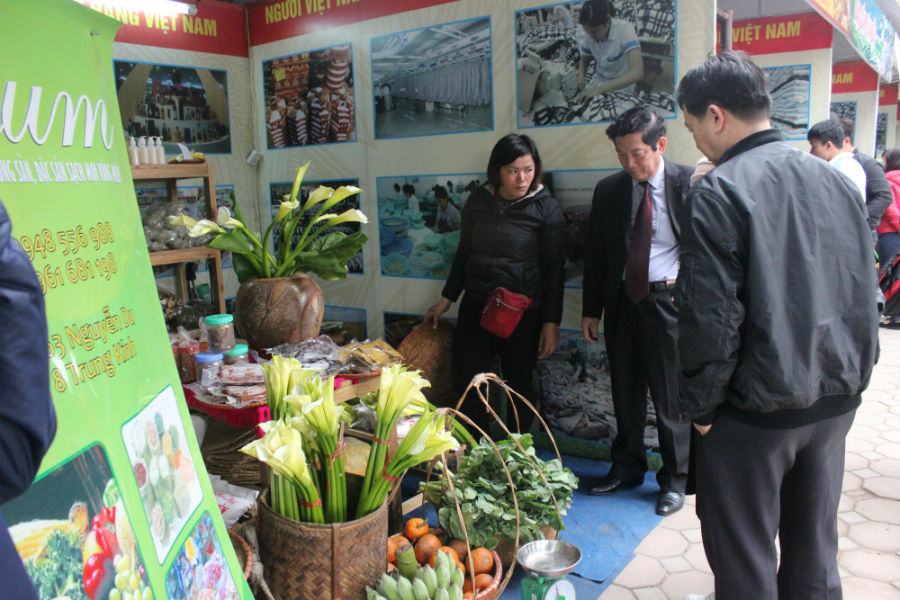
x=826 y=141
x=511 y=236
x=889 y=226
x=447 y=217
x=614 y=47
x=27 y=416
x=777 y=334
x=630 y=267
x=412 y=203
x=703 y=166
x=878 y=193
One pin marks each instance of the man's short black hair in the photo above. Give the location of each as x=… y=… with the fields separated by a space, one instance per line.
x=730 y=80
x=848 y=126
x=829 y=130
x=639 y=119
x=596 y=12
x=891 y=159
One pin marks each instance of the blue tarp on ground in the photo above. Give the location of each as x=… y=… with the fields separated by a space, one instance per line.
x=607 y=529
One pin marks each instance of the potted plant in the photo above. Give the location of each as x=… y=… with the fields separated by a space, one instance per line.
x=277 y=301
x=314 y=536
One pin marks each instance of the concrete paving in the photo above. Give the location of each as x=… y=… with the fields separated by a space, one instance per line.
x=670 y=563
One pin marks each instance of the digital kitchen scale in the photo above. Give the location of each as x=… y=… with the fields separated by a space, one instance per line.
x=547 y=563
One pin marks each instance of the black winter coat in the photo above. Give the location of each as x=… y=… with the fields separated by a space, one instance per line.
x=517 y=245
x=27 y=417
x=777 y=317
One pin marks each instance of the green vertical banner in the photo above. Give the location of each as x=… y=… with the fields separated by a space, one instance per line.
x=122 y=508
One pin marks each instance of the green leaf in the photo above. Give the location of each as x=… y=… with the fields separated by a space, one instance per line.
x=339 y=245
x=243 y=268
x=326 y=267
x=234 y=241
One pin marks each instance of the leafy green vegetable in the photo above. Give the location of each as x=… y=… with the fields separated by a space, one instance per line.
x=110 y=494
x=57 y=571
x=486 y=499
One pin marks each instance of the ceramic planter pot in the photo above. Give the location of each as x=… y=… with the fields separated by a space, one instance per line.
x=275 y=311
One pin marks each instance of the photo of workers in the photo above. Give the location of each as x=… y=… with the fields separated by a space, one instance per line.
x=309 y=98
x=433 y=80
x=845 y=110
x=418 y=222
x=586 y=62
x=178 y=105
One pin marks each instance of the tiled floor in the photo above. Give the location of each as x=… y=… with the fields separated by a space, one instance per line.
x=670 y=562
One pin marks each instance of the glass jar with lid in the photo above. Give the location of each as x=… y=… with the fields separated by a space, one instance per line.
x=208 y=365
x=220 y=332
x=240 y=354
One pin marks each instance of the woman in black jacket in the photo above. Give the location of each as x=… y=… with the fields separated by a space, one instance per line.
x=512 y=237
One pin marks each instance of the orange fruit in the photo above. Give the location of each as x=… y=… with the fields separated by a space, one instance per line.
x=425 y=547
x=415 y=528
x=483 y=581
x=467 y=585
x=467 y=595
x=398 y=540
x=481 y=561
x=446 y=549
x=391 y=550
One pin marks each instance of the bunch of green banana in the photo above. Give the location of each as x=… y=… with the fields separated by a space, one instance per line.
x=444 y=581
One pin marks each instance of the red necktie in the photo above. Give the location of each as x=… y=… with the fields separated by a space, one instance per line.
x=637 y=264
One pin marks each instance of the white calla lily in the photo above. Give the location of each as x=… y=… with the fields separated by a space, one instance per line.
x=204 y=226
x=320 y=193
x=224 y=219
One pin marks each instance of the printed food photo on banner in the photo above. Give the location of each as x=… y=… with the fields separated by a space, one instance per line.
x=309 y=98
x=277 y=193
x=418 y=222
x=575 y=391
x=344 y=324
x=74 y=535
x=586 y=62
x=163 y=468
x=172 y=104
x=199 y=571
x=433 y=80
x=789 y=87
x=574 y=190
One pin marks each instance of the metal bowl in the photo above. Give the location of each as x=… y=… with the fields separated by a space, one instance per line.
x=548 y=558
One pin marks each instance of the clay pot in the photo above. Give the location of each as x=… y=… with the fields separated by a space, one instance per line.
x=275 y=311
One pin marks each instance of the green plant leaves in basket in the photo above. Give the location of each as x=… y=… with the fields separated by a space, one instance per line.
x=486 y=499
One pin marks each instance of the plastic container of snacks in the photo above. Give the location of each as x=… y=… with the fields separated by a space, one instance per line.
x=220 y=332
x=208 y=365
x=240 y=354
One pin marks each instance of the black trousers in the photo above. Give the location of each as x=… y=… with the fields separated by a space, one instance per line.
x=753 y=483
x=475 y=349
x=642 y=345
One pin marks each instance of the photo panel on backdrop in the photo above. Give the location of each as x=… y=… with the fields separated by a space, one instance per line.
x=418 y=222
x=845 y=110
x=587 y=62
x=343 y=324
x=789 y=87
x=277 y=192
x=433 y=80
x=309 y=98
x=186 y=105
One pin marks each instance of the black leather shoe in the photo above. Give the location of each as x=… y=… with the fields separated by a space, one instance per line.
x=669 y=502
x=611 y=483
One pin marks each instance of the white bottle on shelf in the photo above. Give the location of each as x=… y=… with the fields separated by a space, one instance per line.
x=160 y=152
x=132 y=152
x=143 y=155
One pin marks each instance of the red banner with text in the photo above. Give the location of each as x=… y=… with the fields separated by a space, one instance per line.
x=790 y=33
x=281 y=19
x=887 y=95
x=217 y=27
x=853 y=76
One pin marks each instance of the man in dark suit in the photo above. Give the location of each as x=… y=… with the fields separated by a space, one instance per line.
x=630 y=267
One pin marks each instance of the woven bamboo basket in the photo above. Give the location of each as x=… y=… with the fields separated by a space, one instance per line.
x=242 y=549
x=337 y=561
x=431 y=350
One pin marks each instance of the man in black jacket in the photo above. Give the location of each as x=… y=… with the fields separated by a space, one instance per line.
x=631 y=262
x=27 y=417
x=777 y=326
x=878 y=190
